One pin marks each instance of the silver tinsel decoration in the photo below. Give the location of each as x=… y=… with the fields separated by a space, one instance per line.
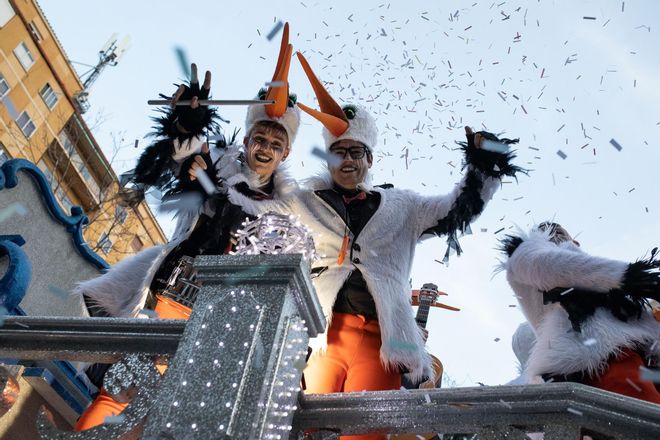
x=134 y=370
x=273 y=234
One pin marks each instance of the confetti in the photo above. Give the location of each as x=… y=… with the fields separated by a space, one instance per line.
x=567 y=291
x=275 y=84
x=114 y=420
x=589 y=18
x=184 y=64
x=574 y=411
x=634 y=385
x=589 y=342
x=652 y=375
x=149 y=313
x=9 y=105
x=136 y=142
x=14 y=208
x=616 y=145
x=59 y=292
x=496 y=147
x=402 y=345
x=205 y=181
x=332 y=159
x=505 y=404
x=275 y=30
x=561 y=154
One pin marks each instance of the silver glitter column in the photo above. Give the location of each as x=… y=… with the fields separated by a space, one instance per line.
x=237 y=370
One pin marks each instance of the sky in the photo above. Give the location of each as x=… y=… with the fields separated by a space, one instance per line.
x=566 y=77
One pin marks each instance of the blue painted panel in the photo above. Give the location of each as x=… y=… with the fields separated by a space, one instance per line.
x=73 y=223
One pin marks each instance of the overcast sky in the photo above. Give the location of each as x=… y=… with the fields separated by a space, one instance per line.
x=564 y=76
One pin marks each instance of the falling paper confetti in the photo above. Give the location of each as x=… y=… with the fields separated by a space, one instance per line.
x=14 y=208
x=275 y=30
x=652 y=375
x=574 y=411
x=113 y=420
x=616 y=145
x=496 y=147
x=184 y=64
x=561 y=154
x=332 y=159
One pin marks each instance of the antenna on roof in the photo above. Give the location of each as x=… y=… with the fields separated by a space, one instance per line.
x=109 y=55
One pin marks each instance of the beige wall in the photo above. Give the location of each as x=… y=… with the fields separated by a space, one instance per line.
x=51 y=67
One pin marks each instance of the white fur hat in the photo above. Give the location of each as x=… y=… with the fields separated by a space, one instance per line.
x=350 y=122
x=361 y=128
x=290 y=120
x=283 y=110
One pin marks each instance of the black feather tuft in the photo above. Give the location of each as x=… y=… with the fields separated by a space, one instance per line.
x=491 y=163
x=642 y=279
x=155 y=166
x=582 y=304
x=509 y=244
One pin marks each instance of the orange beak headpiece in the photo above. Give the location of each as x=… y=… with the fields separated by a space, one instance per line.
x=350 y=122
x=283 y=110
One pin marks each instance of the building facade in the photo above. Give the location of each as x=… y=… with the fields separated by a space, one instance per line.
x=41 y=120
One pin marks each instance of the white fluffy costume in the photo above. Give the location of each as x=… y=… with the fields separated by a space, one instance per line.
x=605 y=299
x=384 y=250
x=123 y=290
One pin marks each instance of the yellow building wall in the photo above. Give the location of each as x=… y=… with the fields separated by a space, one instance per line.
x=51 y=67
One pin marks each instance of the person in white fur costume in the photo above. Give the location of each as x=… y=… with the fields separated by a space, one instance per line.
x=366 y=237
x=590 y=315
x=205 y=226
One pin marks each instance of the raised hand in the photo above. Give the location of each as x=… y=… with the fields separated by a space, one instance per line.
x=191 y=117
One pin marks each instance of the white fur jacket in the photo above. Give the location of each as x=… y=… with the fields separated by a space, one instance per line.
x=537 y=265
x=383 y=252
x=124 y=288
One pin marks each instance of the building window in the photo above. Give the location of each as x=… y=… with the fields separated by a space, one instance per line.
x=79 y=163
x=57 y=187
x=6 y=12
x=136 y=244
x=120 y=214
x=4 y=86
x=26 y=125
x=105 y=244
x=4 y=156
x=24 y=55
x=34 y=31
x=49 y=96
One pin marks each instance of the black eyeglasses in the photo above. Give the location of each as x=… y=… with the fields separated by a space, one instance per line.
x=356 y=152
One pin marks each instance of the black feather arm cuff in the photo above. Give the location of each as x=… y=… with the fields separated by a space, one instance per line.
x=183 y=122
x=491 y=163
x=509 y=244
x=642 y=279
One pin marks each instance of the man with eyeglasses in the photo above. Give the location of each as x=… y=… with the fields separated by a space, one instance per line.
x=365 y=237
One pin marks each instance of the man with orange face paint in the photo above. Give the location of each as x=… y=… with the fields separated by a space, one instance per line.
x=247 y=171
x=365 y=236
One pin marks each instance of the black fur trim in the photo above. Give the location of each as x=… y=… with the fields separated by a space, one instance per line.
x=582 y=304
x=491 y=163
x=509 y=244
x=466 y=207
x=385 y=186
x=642 y=279
x=155 y=166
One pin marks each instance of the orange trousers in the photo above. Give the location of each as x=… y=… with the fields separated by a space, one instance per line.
x=622 y=376
x=351 y=362
x=104 y=405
